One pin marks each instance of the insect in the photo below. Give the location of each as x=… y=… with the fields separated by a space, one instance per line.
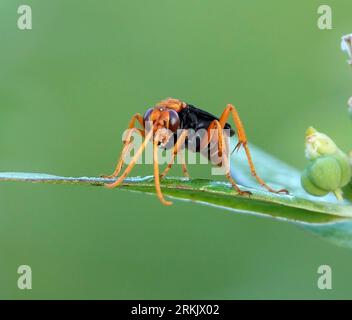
x=168 y=117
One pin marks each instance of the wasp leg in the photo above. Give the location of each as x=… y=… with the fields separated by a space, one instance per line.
x=214 y=125
x=176 y=149
x=156 y=175
x=222 y=152
x=132 y=163
x=171 y=163
x=242 y=141
x=185 y=170
x=132 y=126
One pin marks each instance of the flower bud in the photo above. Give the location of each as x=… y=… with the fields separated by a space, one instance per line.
x=318 y=144
x=346 y=45
x=311 y=188
x=350 y=107
x=329 y=168
x=345 y=166
x=325 y=173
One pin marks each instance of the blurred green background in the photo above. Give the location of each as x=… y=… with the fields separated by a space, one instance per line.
x=68 y=89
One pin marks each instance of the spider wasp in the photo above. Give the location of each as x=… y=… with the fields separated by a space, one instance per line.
x=172 y=115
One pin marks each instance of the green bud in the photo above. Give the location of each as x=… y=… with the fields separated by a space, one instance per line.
x=309 y=187
x=318 y=144
x=325 y=173
x=329 y=168
x=345 y=166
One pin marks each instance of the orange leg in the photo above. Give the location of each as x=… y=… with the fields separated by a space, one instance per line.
x=156 y=175
x=223 y=152
x=177 y=147
x=229 y=177
x=132 y=126
x=210 y=136
x=169 y=166
x=185 y=170
x=242 y=141
x=132 y=163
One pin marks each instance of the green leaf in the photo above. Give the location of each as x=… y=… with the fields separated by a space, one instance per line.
x=278 y=174
x=324 y=216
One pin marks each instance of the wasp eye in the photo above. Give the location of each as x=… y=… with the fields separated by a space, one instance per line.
x=174 y=120
x=147 y=114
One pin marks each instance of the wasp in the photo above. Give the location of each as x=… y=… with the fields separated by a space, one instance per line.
x=171 y=116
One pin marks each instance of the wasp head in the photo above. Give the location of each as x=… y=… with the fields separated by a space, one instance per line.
x=163 y=121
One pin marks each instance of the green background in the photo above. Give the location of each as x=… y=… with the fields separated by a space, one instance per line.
x=67 y=91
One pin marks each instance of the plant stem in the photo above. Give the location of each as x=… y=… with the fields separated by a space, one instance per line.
x=338 y=194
